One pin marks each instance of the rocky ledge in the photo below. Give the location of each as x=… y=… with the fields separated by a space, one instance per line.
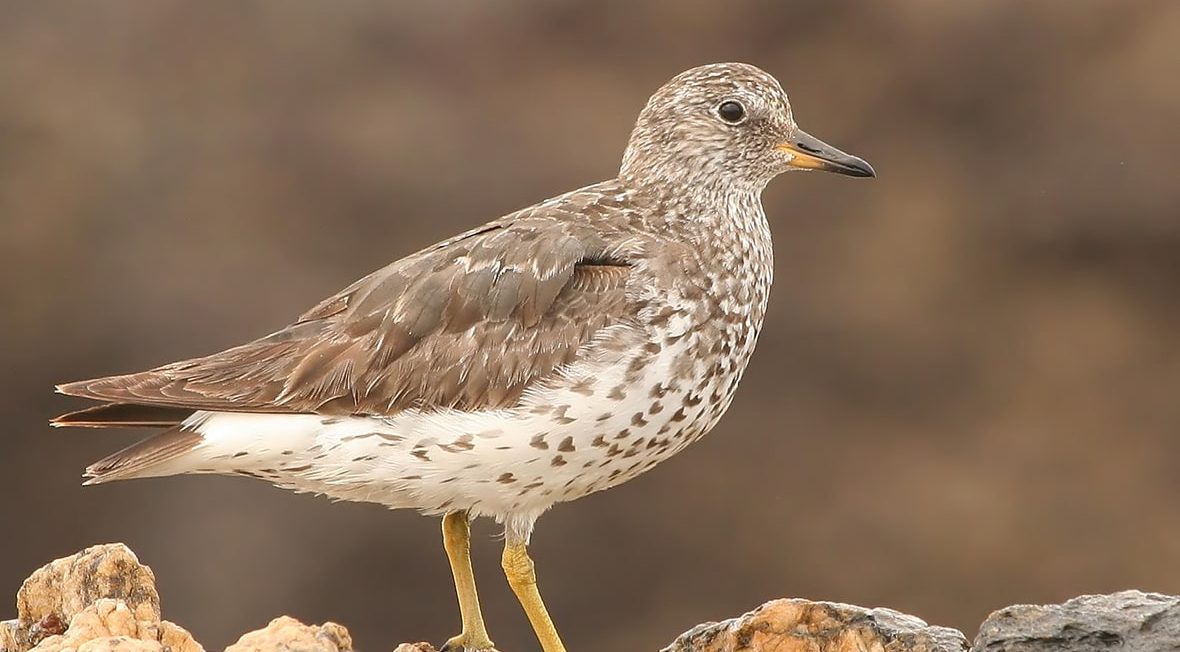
x=103 y=600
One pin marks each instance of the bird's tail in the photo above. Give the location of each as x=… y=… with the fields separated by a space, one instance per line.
x=123 y=415
x=146 y=458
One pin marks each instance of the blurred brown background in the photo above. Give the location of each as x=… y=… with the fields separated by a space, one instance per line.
x=966 y=394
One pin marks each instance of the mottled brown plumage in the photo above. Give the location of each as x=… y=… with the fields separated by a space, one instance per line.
x=469 y=324
x=554 y=352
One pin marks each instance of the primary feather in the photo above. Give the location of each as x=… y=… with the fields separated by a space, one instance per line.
x=469 y=323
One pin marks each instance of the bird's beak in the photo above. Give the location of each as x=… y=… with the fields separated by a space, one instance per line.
x=810 y=153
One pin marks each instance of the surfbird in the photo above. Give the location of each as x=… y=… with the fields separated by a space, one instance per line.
x=546 y=355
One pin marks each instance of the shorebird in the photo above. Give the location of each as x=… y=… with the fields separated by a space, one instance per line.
x=546 y=355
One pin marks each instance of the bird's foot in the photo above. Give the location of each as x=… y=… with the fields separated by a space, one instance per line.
x=468 y=643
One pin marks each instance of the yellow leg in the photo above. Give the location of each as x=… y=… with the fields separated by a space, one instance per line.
x=457 y=541
x=518 y=568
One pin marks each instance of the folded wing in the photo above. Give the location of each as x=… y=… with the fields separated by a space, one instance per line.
x=470 y=323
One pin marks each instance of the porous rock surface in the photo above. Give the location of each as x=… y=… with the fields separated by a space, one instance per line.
x=286 y=633
x=804 y=626
x=103 y=600
x=1128 y=621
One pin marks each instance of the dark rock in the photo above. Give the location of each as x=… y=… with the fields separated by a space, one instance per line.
x=1128 y=621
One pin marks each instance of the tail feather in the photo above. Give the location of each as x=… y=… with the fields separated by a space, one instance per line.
x=139 y=459
x=112 y=415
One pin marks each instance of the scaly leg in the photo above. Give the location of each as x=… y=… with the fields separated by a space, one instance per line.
x=457 y=540
x=518 y=568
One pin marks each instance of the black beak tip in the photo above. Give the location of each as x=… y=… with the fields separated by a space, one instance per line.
x=862 y=169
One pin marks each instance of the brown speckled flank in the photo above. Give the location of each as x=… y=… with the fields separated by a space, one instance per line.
x=548 y=354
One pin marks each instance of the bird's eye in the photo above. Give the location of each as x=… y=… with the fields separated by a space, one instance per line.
x=731 y=111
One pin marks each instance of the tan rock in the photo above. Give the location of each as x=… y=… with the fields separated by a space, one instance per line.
x=177 y=639
x=120 y=644
x=99 y=599
x=8 y=635
x=285 y=634
x=804 y=626
x=110 y=624
x=415 y=647
x=64 y=587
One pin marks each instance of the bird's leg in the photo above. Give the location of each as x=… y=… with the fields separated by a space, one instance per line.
x=518 y=568
x=457 y=540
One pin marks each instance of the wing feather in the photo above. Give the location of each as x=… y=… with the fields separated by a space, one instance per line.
x=470 y=323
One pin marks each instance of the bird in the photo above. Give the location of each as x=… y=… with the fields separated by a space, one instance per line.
x=554 y=352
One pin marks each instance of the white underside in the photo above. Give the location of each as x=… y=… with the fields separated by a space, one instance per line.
x=441 y=460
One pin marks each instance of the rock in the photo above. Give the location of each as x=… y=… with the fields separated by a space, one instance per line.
x=66 y=586
x=8 y=635
x=804 y=626
x=285 y=634
x=110 y=624
x=103 y=600
x=99 y=599
x=1130 y=621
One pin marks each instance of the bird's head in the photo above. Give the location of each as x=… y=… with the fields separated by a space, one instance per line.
x=727 y=123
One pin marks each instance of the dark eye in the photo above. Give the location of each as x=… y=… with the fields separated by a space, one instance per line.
x=731 y=111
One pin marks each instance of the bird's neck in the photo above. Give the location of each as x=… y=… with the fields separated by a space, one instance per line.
x=713 y=213
x=724 y=224
x=699 y=175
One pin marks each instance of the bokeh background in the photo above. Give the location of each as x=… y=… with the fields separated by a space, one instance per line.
x=967 y=393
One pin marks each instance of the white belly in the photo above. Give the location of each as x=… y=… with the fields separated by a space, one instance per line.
x=597 y=428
